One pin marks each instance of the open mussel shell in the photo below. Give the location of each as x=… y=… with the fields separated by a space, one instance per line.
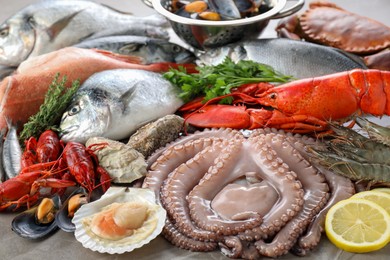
x=26 y=224
x=63 y=216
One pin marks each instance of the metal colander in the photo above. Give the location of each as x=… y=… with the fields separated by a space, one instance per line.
x=202 y=34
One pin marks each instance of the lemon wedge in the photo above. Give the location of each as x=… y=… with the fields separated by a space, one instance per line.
x=358 y=225
x=385 y=190
x=380 y=198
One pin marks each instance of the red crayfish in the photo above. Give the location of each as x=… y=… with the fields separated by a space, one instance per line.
x=301 y=106
x=48 y=163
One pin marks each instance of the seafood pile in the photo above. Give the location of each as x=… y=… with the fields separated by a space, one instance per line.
x=137 y=154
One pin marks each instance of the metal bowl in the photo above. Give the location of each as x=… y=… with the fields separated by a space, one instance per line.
x=202 y=34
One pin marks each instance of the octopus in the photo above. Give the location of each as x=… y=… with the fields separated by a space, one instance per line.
x=203 y=179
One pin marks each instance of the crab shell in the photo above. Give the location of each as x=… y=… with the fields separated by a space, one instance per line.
x=328 y=24
x=152 y=225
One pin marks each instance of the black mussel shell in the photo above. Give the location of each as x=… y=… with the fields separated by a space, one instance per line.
x=63 y=221
x=26 y=225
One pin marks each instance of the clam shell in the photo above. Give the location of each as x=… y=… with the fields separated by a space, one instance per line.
x=123 y=163
x=117 y=194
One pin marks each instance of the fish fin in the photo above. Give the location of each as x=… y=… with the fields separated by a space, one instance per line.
x=125 y=58
x=126 y=97
x=116 y=10
x=57 y=27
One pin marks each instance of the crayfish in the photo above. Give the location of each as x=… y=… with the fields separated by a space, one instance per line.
x=49 y=163
x=301 y=106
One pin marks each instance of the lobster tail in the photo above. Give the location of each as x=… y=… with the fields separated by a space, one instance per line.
x=373 y=89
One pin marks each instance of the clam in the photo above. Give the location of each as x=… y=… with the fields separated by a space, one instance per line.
x=65 y=214
x=122 y=220
x=37 y=222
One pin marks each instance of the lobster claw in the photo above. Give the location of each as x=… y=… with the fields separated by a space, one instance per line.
x=227 y=116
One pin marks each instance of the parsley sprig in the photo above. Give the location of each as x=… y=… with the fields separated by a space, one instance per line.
x=214 y=81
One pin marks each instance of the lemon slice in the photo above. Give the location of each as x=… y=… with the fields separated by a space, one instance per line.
x=385 y=190
x=358 y=225
x=380 y=198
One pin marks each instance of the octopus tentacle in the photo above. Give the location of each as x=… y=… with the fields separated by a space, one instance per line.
x=180 y=240
x=291 y=193
x=341 y=188
x=225 y=133
x=316 y=196
x=212 y=182
x=233 y=247
x=182 y=180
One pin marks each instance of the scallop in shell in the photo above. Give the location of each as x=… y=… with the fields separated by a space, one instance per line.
x=123 y=163
x=122 y=220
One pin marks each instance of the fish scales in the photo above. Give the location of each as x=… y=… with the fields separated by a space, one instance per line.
x=46 y=26
x=115 y=103
x=290 y=57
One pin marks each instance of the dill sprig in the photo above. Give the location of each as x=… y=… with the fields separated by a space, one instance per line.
x=57 y=99
x=214 y=81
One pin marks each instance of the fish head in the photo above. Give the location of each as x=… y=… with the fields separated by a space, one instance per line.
x=180 y=55
x=158 y=50
x=17 y=39
x=87 y=116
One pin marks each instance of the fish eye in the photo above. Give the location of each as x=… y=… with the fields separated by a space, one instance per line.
x=273 y=96
x=74 y=110
x=31 y=21
x=176 y=48
x=4 y=32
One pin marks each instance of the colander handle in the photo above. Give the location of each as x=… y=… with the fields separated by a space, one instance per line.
x=148 y=3
x=289 y=11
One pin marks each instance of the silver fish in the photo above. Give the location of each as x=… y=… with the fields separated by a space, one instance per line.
x=115 y=103
x=12 y=153
x=50 y=25
x=152 y=50
x=296 y=58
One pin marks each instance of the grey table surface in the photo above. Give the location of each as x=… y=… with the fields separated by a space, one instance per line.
x=63 y=245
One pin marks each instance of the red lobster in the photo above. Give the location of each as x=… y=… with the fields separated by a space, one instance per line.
x=80 y=162
x=301 y=106
x=48 y=148
x=24 y=188
x=48 y=164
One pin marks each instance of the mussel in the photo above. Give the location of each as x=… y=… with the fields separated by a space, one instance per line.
x=216 y=9
x=38 y=222
x=65 y=214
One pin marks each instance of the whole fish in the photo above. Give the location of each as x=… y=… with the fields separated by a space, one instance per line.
x=115 y=103
x=50 y=25
x=296 y=58
x=12 y=153
x=22 y=93
x=150 y=49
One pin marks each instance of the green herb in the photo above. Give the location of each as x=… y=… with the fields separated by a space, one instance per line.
x=214 y=81
x=50 y=112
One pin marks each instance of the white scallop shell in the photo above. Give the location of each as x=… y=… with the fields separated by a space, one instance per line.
x=117 y=194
